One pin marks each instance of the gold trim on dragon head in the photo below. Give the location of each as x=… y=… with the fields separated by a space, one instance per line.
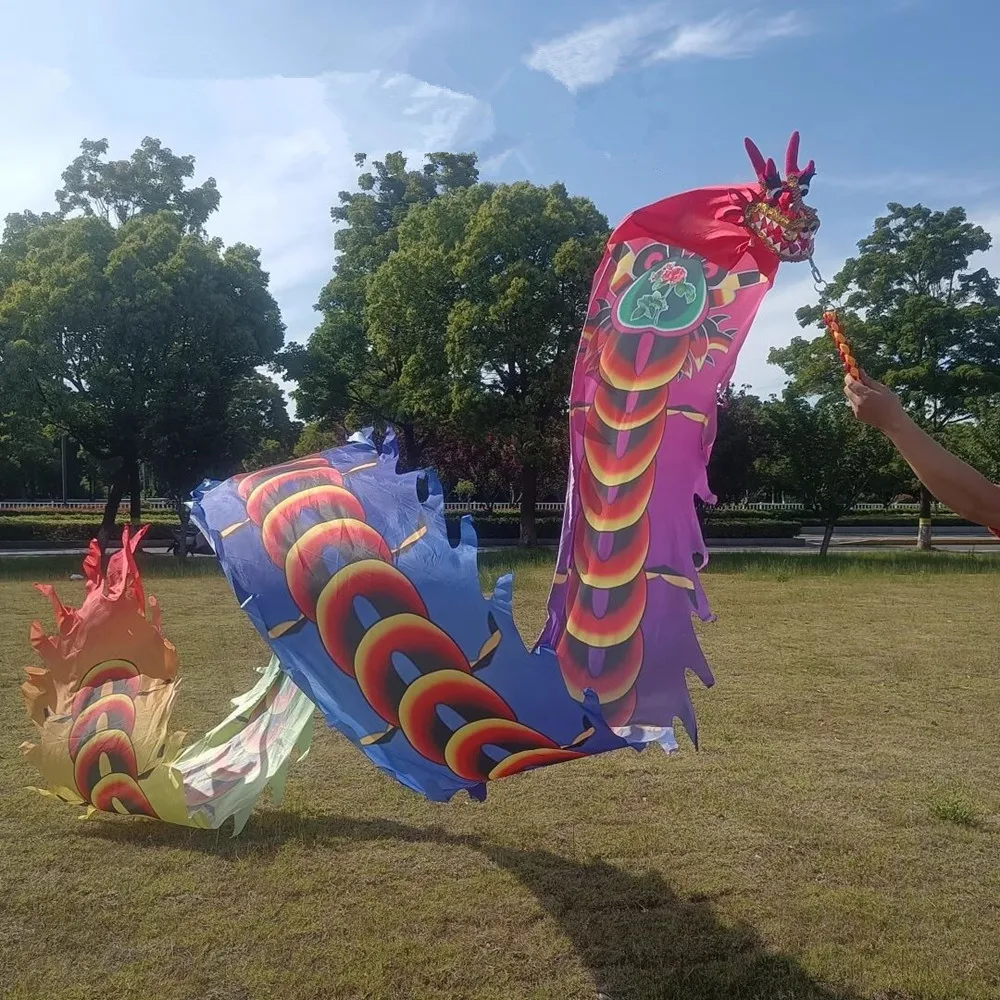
x=778 y=216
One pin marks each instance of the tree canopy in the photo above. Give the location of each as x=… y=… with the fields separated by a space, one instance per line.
x=823 y=455
x=345 y=374
x=484 y=299
x=129 y=328
x=153 y=179
x=919 y=317
x=741 y=438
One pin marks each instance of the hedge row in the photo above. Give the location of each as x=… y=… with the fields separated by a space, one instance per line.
x=492 y=528
x=875 y=519
x=891 y=521
x=751 y=529
x=872 y=520
x=39 y=529
x=507 y=528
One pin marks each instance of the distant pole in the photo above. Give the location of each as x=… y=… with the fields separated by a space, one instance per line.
x=62 y=449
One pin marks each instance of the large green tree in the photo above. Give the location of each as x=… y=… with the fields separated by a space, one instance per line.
x=29 y=455
x=734 y=474
x=822 y=456
x=978 y=440
x=920 y=318
x=133 y=331
x=485 y=297
x=524 y=267
x=153 y=179
x=346 y=374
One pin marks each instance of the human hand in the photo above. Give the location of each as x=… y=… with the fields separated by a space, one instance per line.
x=874 y=403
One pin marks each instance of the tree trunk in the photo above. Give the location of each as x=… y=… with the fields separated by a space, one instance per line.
x=183 y=515
x=412 y=450
x=115 y=493
x=925 y=529
x=135 y=496
x=529 y=497
x=827 y=538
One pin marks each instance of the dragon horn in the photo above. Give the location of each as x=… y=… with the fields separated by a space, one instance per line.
x=756 y=158
x=792 y=156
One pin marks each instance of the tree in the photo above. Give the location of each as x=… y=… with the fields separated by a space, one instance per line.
x=261 y=432
x=490 y=462
x=522 y=270
x=344 y=374
x=29 y=455
x=315 y=437
x=135 y=339
x=978 y=441
x=740 y=441
x=823 y=456
x=919 y=320
x=151 y=180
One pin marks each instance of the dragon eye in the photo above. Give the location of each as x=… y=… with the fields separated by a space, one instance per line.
x=773 y=193
x=804 y=188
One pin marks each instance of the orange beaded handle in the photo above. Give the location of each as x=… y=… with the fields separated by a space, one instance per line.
x=843 y=347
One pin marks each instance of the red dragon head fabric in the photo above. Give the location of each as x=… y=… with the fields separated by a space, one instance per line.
x=779 y=217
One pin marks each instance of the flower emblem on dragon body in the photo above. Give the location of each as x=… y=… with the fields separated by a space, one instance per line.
x=671 y=274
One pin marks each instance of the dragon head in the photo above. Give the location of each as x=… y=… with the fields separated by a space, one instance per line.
x=778 y=216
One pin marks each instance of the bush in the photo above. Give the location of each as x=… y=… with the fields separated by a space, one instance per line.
x=751 y=529
x=507 y=527
x=46 y=528
x=89 y=515
x=464 y=490
x=875 y=519
x=503 y=527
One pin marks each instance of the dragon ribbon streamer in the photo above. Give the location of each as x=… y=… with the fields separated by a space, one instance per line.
x=672 y=303
x=349 y=576
x=102 y=702
x=345 y=568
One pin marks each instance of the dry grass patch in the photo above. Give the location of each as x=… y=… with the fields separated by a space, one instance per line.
x=834 y=840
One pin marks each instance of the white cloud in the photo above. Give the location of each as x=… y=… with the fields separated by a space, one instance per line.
x=730 y=35
x=39 y=137
x=280 y=148
x=594 y=53
x=598 y=51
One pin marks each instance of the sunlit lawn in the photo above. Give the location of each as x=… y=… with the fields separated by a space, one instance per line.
x=836 y=837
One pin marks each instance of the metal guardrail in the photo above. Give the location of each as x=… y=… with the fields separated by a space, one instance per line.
x=84 y=505
x=505 y=508
x=860 y=508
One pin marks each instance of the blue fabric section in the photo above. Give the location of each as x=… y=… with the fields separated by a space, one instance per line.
x=447 y=580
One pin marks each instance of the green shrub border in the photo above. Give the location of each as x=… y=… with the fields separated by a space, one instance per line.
x=495 y=527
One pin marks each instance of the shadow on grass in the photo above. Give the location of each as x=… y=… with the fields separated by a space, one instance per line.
x=639 y=938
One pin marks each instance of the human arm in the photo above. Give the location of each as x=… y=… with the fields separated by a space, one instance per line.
x=954 y=483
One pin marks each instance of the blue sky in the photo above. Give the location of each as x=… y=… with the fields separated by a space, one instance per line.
x=897 y=100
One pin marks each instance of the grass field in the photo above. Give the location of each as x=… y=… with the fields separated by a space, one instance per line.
x=835 y=839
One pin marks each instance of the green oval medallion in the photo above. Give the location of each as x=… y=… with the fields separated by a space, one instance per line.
x=671 y=297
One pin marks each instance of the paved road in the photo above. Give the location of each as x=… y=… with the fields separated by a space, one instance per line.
x=845 y=539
